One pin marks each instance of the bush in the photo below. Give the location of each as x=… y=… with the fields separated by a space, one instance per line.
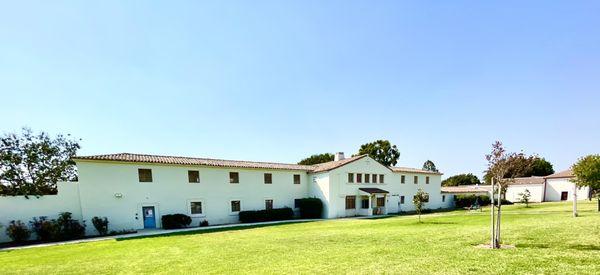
x=45 y=230
x=277 y=214
x=175 y=221
x=68 y=228
x=18 y=231
x=462 y=201
x=203 y=223
x=101 y=225
x=310 y=208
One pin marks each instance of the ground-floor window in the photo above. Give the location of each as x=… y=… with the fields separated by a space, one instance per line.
x=364 y=203
x=236 y=206
x=196 y=207
x=443 y=198
x=381 y=202
x=296 y=203
x=564 y=196
x=268 y=204
x=401 y=199
x=350 y=202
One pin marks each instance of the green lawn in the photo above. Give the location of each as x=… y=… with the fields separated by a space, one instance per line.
x=547 y=240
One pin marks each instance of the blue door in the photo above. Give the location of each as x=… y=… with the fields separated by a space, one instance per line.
x=149 y=220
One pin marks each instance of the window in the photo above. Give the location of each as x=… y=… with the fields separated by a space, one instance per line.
x=426 y=180
x=236 y=206
x=297 y=203
x=374 y=178
x=367 y=178
x=401 y=199
x=351 y=177
x=381 y=179
x=193 y=176
x=402 y=179
x=358 y=178
x=145 y=175
x=196 y=208
x=268 y=204
x=234 y=177
x=268 y=178
x=381 y=202
x=350 y=202
x=364 y=203
x=296 y=179
x=443 y=198
x=416 y=179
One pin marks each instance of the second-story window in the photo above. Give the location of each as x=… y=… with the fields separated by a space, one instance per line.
x=296 y=179
x=234 y=177
x=145 y=175
x=193 y=176
x=358 y=178
x=351 y=177
x=426 y=180
x=367 y=178
x=268 y=178
x=416 y=179
x=374 y=176
x=402 y=179
x=381 y=179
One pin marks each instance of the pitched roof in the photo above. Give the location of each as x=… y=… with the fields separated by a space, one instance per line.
x=562 y=174
x=374 y=190
x=327 y=166
x=127 y=157
x=413 y=170
x=466 y=189
x=527 y=180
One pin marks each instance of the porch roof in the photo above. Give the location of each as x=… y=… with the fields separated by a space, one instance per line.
x=373 y=190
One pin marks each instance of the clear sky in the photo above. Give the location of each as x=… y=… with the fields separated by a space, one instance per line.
x=280 y=80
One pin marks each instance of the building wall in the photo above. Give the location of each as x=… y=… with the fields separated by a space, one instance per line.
x=536 y=190
x=319 y=188
x=21 y=208
x=554 y=188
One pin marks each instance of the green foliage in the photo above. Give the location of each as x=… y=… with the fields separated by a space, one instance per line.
x=419 y=200
x=520 y=165
x=310 y=208
x=461 y=179
x=524 y=197
x=429 y=166
x=382 y=151
x=464 y=201
x=44 y=229
x=317 y=158
x=587 y=171
x=68 y=228
x=18 y=231
x=276 y=214
x=32 y=164
x=175 y=221
x=203 y=223
x=101 y=225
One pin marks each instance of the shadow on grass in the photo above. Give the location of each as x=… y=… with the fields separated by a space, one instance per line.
x=208 y=230
x=585 y=247
x=534 y=245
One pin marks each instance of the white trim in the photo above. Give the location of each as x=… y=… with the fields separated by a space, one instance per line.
x=189 y=207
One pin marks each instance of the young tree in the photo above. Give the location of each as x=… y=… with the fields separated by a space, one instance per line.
x=461 y=179
x=429 y=166
x=382 y=151
x=419 y=200
x=587 y=173
x=524 y=166
x=32 y=164
x=316 y=159
x=524 y=197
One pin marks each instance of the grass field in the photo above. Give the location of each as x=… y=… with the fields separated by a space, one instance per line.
x=547 y=240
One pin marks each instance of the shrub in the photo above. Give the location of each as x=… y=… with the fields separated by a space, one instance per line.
x=462 y=201
x=310 y=208
x=68 y=228
x=45 y=230
x=203 y=223
x=101 y=225
x=175 y=221
x=277 y=214
x=18 y=231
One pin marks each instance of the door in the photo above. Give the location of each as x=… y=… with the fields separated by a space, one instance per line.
x=564 y=196
x=149 y=219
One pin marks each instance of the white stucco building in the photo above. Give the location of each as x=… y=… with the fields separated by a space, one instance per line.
x=133 y=190
x=555 y=187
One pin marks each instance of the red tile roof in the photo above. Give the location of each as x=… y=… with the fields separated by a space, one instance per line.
x=327 y=166
x=413 y=170
x=527 y=180
x=562 y=174
x=466 y=189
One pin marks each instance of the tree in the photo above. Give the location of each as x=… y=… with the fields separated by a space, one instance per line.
x=524 y=166
x=382 y=151
x=316 y=159
x=32 y=164
x=430 y=166
x=419 y=200
x=587 y=173
x=461 y=179
x=524 y=197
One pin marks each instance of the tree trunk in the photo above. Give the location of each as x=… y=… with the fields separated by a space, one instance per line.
x=492 y=210
x=574 y=200
x=498 y=218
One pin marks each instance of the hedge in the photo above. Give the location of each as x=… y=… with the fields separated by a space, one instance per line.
x=175 y=221
x=277 y=214
x=310 y=208
x=462 y=201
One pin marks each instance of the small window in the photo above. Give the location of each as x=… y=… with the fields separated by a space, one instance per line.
x=381 y=179
x=358 y=178
x=367 y=178
x=374 y=176
x=268 y=178
x=426 y=180
x=364 y=203
x=401 y=199
x=350 y=202
x=236 y=206
x=196 y=208
x=193 y=176
x=381 y=202
x=351 y=177
x=296 y=179
x=443 y=198
x=402 y=179
x=145 y=175
x=416 y=179
x=297 y=203
x=234 y=177
x=268 y=204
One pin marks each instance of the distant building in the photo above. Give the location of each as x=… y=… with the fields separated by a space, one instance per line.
x=555 y=187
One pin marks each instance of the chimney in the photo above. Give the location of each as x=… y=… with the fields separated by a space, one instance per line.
x=338 y=156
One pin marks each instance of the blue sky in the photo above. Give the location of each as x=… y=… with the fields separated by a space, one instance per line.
x=280 y=80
